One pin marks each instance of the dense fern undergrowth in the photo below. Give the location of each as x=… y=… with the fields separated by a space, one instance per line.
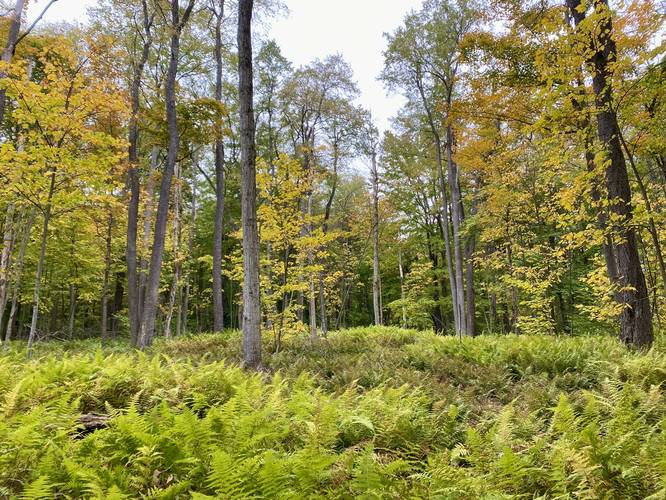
x=366 y=413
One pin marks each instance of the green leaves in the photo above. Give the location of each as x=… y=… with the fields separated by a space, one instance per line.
x=366 y=413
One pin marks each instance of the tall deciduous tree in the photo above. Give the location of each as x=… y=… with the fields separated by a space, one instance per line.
x=178 y=21
x=251 y=298
x=597 y=30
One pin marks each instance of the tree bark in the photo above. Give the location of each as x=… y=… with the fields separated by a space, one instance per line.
x=376 y=278
x=190 y=244
x=457 y=218
x=175 y=283
x=402 y=288
x=5 y=257
x=157 y=255
x=8 y=52
x=218 y=228
x=457 y=319
x=18 y=276
x=133 y=293
x=105 y=283
x=636 y=316
x=251 y=297
x=148 y=215
x=40 y=263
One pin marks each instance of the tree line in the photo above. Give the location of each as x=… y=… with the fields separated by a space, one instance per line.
x=165 y=169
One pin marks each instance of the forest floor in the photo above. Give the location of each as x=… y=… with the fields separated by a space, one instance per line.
x=366 y=413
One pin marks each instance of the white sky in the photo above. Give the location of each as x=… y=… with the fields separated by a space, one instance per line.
x=315 y=28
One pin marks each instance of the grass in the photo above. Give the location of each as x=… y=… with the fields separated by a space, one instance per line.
x=366 y=413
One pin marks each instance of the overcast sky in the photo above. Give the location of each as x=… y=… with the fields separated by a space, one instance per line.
x=316 y=28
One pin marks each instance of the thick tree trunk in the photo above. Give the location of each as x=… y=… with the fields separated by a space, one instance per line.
x=133 y=292
x=157 y=255
x=636 y=316
x=40 y=263
x=18 y=276
x=251 y=297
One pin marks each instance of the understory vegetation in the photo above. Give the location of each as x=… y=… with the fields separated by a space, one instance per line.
x=365 y=413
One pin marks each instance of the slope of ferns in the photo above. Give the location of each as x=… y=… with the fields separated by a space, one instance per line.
x=367 y=413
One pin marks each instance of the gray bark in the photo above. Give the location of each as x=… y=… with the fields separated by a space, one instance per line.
x=173 y=291
x=8 y=52
x=5 y=257
x=402 y=288
x=218 y=228
x=107 y=274
x=376 y=277
x=457 y=319
x=133 y=292
x=40 y=263
x=157 y=255
x=251 y=297
x=18 y=276
x=457 y=218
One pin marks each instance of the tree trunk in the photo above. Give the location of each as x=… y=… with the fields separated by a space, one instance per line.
x=157 y=255
x=173 y=291
x=218 y=228
x=327 y=215
x=376 y=278
x=148 y=215
x=5 y=257
x=107 y=274
x=133 y=292
x=457 y=218
x=469 y=290
x=457 y=318
x=72 y=310
x=652 y=228
x=8 y=52
x=18 y=276
x=190 y=244
x=402 y=288
x=251 y=297
x=40 y=263
x=636 y=316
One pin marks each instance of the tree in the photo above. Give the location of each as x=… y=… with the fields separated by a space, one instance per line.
x=65 y=156
x=597 y=30
x=177 y=23
x=217 y=8
x=251 y=298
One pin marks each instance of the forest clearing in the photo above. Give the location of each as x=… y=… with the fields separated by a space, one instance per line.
x=352 y=249
x=366 y=413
